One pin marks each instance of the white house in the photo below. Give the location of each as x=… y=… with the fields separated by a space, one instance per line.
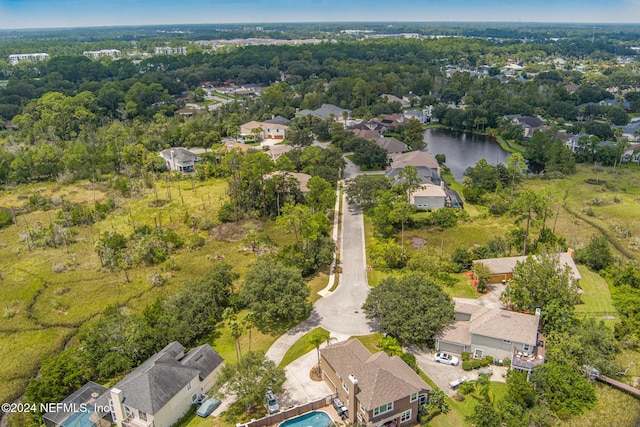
x=180 y=159
x=97 y=54
x=428 y=197
x=264 y=130
x=161 y=390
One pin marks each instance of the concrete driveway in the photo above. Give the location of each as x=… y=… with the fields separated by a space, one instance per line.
x=442 y=374
x=300 y=388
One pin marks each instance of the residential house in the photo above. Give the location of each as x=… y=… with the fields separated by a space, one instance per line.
x=376 y=389
x=324 y=112
x=529 y=124
x=366 y=133
x=236 y=145
x=420 y=115
x=185 y=112
x=632 y=154
x=426 y=175
x=389 y=121
x=180 y=159
x=90 y=396
x=301 y=178
x=263 y=130
x=502 y=268
x=428 y=196
x=391 y=145
x=393 y=98
x=103 y=53
x=161 y=390
x=276 y=151
x=415 y=158
x=277 y=120
x=483 y=331
x=573 y=142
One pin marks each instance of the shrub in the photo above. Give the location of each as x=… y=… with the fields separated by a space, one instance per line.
x=466 y=365
x=226 y=213
x=6 y=218
x=466 y=356
x=506 y=362
x=467 y=387
x=410 y=360
x=475 y=363
x=484 y=362
x=489 y=359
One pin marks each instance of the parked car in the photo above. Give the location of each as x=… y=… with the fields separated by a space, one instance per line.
x=208 y=406
x=272 y=403
x=446 y=358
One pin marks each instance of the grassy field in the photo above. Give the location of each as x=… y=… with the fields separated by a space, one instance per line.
x=596 y=297
x=613 y=408
x=43 y=309
x=300 y=347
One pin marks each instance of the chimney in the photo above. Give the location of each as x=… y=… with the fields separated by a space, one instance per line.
x=118 y=407
x=353 y=391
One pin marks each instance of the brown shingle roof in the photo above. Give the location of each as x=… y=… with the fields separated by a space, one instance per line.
x=507 y=264
x=414 y=158
x=302 y=178
x=381 y=379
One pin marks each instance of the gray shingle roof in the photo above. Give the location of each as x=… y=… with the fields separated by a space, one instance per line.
x=381 y=379
x=151 y=385
x=179 y=154
x=391 y=144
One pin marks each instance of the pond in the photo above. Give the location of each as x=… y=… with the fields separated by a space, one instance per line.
x=463 y=149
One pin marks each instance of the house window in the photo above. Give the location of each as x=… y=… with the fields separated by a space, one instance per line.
x=194 y=398
x=345 y=386
x=189 y=386
x=382 y=409
x=506 y=341
x=360 y=419
x=362 y=407
x=478 y=353
x=414 y=397
x=526 y=347
x=406 y=416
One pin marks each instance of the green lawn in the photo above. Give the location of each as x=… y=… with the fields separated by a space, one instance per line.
x=460 y=410
x=596 y=297
x=223 y=342
x=370 y=341
x=300 y=347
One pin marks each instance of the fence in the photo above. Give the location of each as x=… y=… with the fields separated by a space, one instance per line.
x=290 y=413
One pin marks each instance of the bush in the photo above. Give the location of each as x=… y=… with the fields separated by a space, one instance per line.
x=6 y=218
x=506 y=362
x=226 y=213
x=484 y=362
x=466 y=356
x=489 y=359
x=467 y=387
x=466 y=365
x=410 y=360
x=475 y=364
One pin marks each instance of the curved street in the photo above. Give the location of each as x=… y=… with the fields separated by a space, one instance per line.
x=340 y=312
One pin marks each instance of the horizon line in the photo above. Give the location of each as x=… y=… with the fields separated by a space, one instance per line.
x=559 y=23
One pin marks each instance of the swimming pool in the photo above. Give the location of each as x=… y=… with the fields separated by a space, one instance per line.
x=312 y=419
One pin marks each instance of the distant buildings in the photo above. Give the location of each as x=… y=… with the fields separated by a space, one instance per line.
x=27 y=57
x=97 y=54
x=167 y=50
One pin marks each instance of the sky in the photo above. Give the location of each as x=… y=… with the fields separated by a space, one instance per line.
x=87 y=13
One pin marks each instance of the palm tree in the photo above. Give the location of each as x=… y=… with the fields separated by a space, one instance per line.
x=236 y=332
x=483 y=385
x=249 y=321
x=315 y=340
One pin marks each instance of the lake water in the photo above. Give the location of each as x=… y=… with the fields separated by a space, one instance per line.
x=463 y=149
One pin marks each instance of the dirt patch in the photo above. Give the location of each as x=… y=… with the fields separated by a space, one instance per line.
x=232 y=232
x=418 y=242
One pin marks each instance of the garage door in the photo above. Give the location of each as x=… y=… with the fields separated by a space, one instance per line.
x=450 y=348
